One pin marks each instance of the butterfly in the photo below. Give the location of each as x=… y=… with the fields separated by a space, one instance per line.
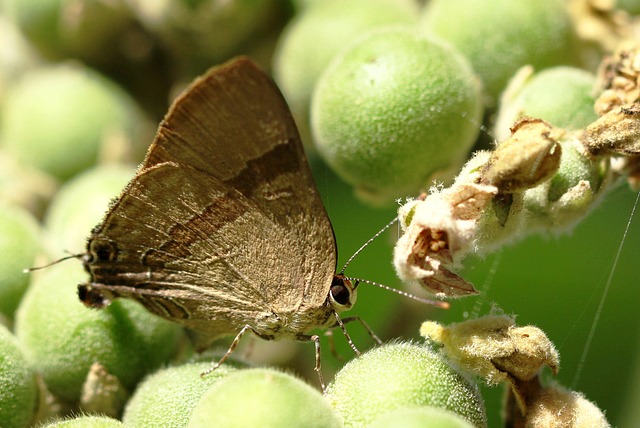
x=222 y=228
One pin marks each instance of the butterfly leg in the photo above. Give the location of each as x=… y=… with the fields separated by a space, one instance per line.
x=318 y=368
x=332 y=342
x=341 y=323
x=232 y=348
x=346 y=334
x=366 y=327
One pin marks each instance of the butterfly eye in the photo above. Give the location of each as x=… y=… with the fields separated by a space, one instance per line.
x=342 y=292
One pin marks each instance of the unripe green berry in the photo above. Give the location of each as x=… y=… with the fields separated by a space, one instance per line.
x=62 y=118
x=328 y=26
x=18 y=391
x=500 y=36
x=168 y=397
x=203 y=32
x=420 y=417
x=86 y=422
x=265 y=398
x=574 y=167
x=562 y=96
x=565 y=199
x=19 y=244
x=393 y=111
x=85 y=29
x=401 y=375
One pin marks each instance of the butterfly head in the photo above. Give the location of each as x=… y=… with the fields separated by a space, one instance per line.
x=342 y=294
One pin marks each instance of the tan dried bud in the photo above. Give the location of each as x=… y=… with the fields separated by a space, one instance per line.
x=528 y=157
x=531 y=351
x=619 y=80
x=617 y=132
x=494 y=348
x=559 y=407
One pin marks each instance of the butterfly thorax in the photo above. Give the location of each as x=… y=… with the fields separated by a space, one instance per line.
x=293 y=324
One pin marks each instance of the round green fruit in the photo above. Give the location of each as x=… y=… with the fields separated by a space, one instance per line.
x=18 y=391
x=19 y=244
x=85 y=29
x=167 y=397
x=401 y=375
x=61 y=118
x=265 y=398
x=420 y=417
x=395 y=111
x=86 y=422
x=562 y=96
x=500 y=36
x=212 y=30
x=328 y=26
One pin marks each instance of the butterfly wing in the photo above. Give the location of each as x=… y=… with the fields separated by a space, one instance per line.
x=222 y=225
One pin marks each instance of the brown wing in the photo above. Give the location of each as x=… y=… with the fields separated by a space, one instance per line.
x=234 y=124
x=222 y=226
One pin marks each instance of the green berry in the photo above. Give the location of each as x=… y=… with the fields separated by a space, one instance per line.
x=263 y=398
x=500 y=36
x=63 y=338
x=19 y=244
x=574 y=167
x=81 y=204
x=562 y=96
x=393 y=111
x=18 y=391
x=327 y=26
x=85 y=29
x=167 y=397
x=61 y=118
x=200 y=33
x=569 y=195
x=401 y=375
x=86 y=422
x=420 y=417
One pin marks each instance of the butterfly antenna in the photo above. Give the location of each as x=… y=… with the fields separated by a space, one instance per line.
x=437 y=303
x=55 y=262
x=380 y=232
